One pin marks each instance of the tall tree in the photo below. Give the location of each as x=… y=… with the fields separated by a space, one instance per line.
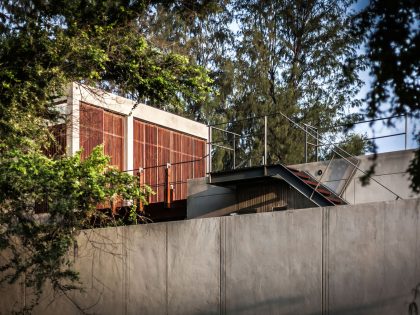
x=46 y=44
x=291 y=58
x=203 y=33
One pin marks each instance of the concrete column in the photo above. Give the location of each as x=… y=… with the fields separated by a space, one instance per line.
x=129 y=147
x=73 y=126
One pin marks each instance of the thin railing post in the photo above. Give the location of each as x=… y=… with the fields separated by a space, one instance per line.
x=140 y=174
x=405 y=131
x=317 y=144
x=209 y=151
x=306 y=143
x=168 y=187
x=234 y=153
x=265 y=140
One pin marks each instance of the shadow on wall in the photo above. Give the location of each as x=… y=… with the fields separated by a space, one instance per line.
x=269 y=263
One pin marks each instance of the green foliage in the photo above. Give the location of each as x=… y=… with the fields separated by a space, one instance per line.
x=291 y=58
x=391 y=30
x=392 y=35
x=414 y=169
x=353 y=145
x=202 y=31
x=44 y=45
x=69 y=190
x=298 y=57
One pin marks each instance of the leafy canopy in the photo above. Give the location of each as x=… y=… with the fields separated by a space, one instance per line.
x=392 y=36
x=44 y=45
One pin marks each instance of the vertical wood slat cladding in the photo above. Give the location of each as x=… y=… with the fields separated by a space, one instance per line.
x=155 y=146
x=151 y=159
x=263 y=197
x=114 y=138
x=91 y=128
x=98 y=126
x=58 y=146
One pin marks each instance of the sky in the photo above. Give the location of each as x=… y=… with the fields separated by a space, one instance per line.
x=378 y=129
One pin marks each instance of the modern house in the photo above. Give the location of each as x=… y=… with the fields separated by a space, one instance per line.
x=358 y=258
x=136 y=137
x=171 y=155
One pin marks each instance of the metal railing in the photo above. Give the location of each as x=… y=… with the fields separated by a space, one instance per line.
x=316 y=145
x=310 y=134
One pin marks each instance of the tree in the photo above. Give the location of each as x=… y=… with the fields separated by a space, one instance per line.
x=203 y=33
x=44 y=45
x=290 y=58
x=69 y=189
x=392 y=35
x=266 y=57
x=48 y=44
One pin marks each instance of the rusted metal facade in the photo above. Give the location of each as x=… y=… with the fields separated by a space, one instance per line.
x=98 y=126
x=155 y=146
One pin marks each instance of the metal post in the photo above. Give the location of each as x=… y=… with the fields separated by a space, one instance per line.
x=234 y=153
x=209 y=152
x=141 y=185
x=193 y=162
x=168 y=189
x=265 y=140
x=317 y=144
x=405 y=146
x=306 y=143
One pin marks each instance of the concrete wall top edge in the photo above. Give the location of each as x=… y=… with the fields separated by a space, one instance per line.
x=400 y=204
x=121 y=105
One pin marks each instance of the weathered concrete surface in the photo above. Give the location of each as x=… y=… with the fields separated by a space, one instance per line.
x=360 y=259
x=146 y=281
x=12 y=297
x=273 y=263
x=390 y=171
x=101 y=262
x=193 y=267
x=373 y=257
x=124 y=106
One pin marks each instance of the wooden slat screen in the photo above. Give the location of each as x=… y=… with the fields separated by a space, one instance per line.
x=98 y=126
x=114 y=138
x=58 y=146
x=91 y=128
x=155 y=146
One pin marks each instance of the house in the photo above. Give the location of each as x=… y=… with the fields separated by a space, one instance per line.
x=136 y=137
x=171 y=155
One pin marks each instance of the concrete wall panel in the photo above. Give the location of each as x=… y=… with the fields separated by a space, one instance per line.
x=372 y=257
x=101 y=265
x=12 y=296
x=193 y=267
x=273 y=263
x=390 y=170
x=146 y=269
x=362 y=259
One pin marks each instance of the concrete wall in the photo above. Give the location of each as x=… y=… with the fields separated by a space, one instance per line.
x=360 y=259
x=390 y=171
